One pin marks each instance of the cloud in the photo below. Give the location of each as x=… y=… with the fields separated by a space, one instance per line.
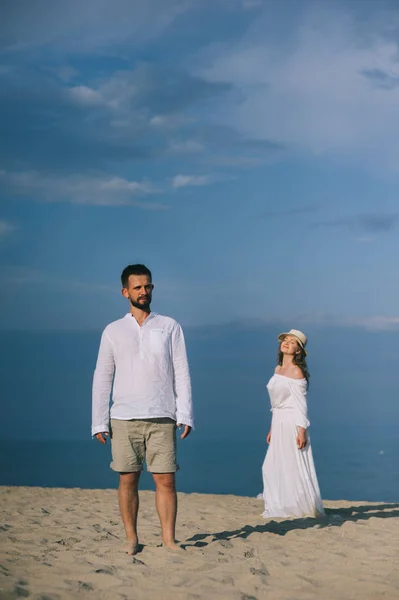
x=93 y=190
x=74 y=27
x=370 y=223
x=17 y=275
x=85 y=95
x=377 y=323
x=370 y=323
x=380 y=79
x=186 y=147
x=45 y=124
x=125 y=115
x=6 y=228
x=169 y=121
x=251 y=4
x=378 y=222
x=158 y=89
x=62 y=72
x=181 y=181
x=320 y=319
x=239 y=162
x=66 y=73
x=223 y=147
x=303 y=85
x=297 y=210
x=364 y=239
x=304 y=82
x=11 y=275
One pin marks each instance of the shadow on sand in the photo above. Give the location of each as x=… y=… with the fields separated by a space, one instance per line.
x=335 y=517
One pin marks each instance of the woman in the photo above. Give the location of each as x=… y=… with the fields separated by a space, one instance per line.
x=290 y=487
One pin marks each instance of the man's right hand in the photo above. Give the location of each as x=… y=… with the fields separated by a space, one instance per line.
x=102 y=437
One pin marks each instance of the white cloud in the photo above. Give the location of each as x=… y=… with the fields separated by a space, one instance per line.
x=364 y=239
x=93 y=190
x=169 y=121
x=158 y=120
x=377 y=323
x=186 y=147
x=326 y=87
x=6 y=228
x=180 y=181
x=251 y=4
x=238 y=162
x=118 y=184
x=85 y=95
x=369 y=323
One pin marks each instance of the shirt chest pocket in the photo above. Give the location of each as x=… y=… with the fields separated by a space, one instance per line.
x=158 y=341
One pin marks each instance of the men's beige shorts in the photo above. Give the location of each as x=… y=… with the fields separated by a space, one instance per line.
x=152 y=440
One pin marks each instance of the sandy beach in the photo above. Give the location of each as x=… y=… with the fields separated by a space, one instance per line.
x=66 y=543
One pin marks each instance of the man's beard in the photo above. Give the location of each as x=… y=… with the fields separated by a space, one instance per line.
x=145 y=306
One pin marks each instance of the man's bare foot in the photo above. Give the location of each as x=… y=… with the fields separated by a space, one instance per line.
x=172 y=546
x=131 y=547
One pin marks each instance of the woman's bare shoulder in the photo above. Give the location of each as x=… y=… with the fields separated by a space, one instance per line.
x=297 y=373
x=277 y=369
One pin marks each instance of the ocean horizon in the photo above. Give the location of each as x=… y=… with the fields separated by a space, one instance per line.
x=45 y=378
x=346 y=469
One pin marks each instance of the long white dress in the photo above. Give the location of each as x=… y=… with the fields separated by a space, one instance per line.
x=290 y=487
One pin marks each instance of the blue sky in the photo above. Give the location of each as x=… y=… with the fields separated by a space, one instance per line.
x=245 y=150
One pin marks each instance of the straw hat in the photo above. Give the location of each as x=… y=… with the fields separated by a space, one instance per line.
x=298 y=335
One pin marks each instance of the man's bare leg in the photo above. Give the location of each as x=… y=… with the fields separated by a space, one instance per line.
x=129 y=506
x=166 y=503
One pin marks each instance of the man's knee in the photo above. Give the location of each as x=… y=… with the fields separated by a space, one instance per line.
x=165 y=481
x=129 y=480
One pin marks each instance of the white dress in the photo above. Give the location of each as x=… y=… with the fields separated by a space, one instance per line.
x=290 y=487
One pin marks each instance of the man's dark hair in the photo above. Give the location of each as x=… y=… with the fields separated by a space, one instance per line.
x=134 y=270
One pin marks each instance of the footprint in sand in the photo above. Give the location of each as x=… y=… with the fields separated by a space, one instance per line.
x=107 y=570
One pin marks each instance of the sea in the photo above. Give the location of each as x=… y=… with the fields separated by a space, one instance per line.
x=45 y=381
x=346 y=469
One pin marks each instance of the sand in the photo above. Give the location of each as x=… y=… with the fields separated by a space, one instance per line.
x=66 y=543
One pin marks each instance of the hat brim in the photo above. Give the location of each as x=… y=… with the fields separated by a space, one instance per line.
x=282 y=336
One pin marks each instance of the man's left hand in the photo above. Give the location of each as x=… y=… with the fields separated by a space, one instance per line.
x=186 y=432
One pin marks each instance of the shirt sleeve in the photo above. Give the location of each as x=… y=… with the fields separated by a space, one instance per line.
x=298 y=395
x=102 y=386
x=181 y=379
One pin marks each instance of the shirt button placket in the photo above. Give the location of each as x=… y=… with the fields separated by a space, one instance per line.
x=141 y=344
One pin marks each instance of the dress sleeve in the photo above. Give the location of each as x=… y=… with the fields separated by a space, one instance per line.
x=298 y=395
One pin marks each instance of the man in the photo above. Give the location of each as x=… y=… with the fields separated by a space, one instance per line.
x=142 y=360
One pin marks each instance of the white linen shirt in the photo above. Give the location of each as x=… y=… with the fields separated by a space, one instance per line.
x=146 y=370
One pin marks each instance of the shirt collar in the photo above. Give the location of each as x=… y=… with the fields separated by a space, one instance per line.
x=149 y=318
